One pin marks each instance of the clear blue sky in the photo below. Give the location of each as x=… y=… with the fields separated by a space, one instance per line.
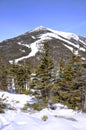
x=19 y=16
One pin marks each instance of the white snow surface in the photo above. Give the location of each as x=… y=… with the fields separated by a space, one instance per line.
x=70 y=48
x=66 y=35
x=60 y=119
x=33 y=37
x=34 y=50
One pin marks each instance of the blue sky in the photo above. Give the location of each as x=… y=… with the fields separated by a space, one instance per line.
x=19 y=16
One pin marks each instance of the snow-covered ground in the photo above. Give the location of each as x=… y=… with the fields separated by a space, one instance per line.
x=60 y=119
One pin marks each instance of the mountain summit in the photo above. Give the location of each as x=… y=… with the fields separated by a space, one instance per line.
x=29 y=45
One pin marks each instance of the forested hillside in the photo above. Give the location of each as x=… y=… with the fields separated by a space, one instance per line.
x=64 y=83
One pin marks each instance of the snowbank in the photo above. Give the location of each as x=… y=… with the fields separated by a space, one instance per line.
x=60 y=119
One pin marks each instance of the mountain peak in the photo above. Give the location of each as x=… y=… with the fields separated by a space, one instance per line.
x=30 y=43
x=38 y=28
x=66 y=35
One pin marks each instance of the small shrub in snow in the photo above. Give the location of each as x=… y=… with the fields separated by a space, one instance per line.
x=36 y=106
x=17 y=102
x=24 y=109
x=12 y=108
x=2 y=111
x=44 y=118
x=3 y=106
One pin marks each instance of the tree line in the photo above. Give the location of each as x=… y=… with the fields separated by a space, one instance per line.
x=63 y=83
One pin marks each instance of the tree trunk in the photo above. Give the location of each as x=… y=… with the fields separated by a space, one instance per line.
x=84 y=104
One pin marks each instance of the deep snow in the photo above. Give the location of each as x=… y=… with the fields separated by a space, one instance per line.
x=60 y=119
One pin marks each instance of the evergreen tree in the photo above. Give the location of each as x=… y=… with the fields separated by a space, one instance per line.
x=20 y=73
x=71 y=82
x=44 y=72
x=3 y=74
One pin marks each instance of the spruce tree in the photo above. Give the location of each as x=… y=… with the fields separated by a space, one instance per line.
x=20 y=73
x=3 y=74
x=44 y=72
x=71 y=82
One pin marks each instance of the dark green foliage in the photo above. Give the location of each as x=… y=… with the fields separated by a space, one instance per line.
x=3 y=74
x=1 y=111
x=46 y=65
x=44 y=73
x=71 y=82
x=68 y=87
x=37 y=106
x=21 y=75
x=2 y=104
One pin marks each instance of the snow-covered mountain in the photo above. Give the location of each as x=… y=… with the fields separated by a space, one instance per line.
x=28 y=45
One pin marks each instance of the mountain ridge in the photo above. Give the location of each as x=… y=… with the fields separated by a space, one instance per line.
x=43 y=28
x=28 y=45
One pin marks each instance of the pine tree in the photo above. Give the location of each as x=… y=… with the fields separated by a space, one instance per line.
x=3 y=74
x=20 y=73
x=44 y=72
x=71 y=82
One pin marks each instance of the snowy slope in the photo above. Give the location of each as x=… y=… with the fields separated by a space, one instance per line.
x=34 y=50
x=66 y=37
x=60 y=119
x=48 y=35
x=66 y=34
